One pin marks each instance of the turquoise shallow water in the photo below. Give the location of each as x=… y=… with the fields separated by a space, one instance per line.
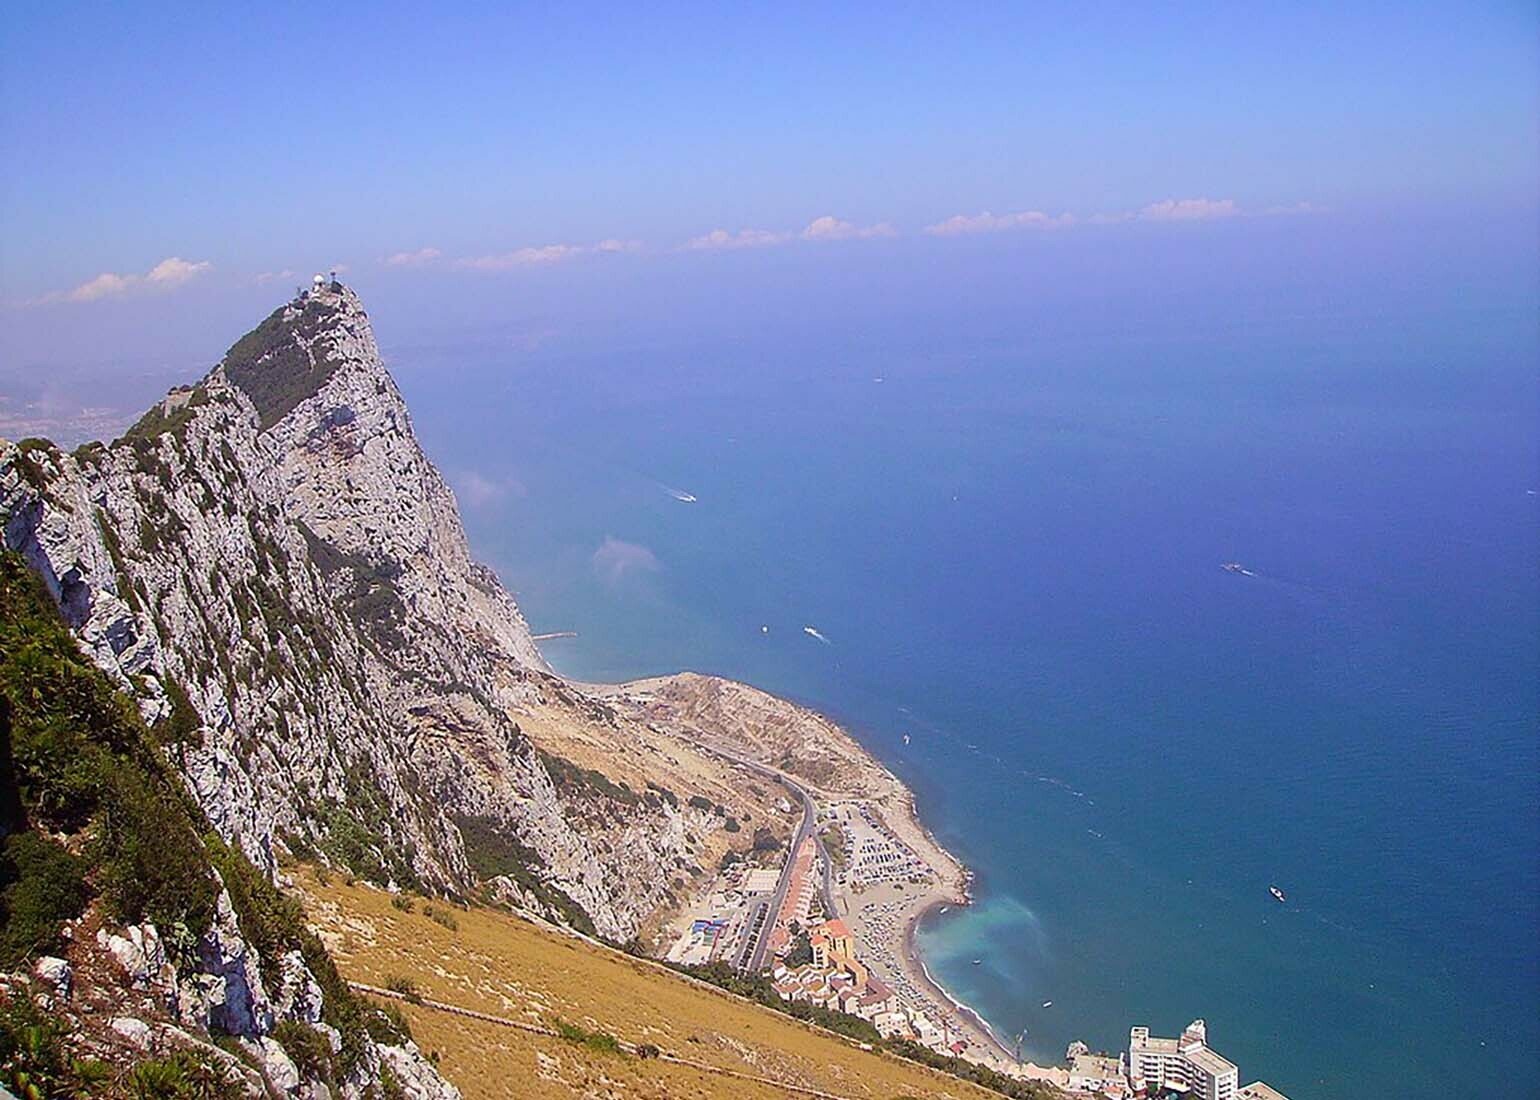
x=1014 y=548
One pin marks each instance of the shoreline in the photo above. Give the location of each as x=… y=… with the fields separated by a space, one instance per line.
x=843 y=778
x=912 y=959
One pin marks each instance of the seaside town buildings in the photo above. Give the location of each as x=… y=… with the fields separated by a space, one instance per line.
x=1099 y=1075
x=800 y=894
x=1187 y=1066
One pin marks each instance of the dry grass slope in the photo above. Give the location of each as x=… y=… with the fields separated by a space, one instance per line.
x=498 y=964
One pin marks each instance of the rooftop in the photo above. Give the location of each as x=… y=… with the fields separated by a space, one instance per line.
x=1259 y=1090
x=1209 y=1062
x=1153 y=1044
x=1101 y=1066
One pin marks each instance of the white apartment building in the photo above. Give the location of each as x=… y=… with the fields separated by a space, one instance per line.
x=1184 y=1065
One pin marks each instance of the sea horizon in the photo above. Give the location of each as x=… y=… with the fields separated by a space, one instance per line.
x=1013 y=552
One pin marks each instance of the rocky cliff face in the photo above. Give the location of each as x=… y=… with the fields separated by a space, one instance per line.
x=270 y=552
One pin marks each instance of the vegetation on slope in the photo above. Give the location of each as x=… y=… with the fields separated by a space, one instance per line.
x=77 y=763
x=491 y=853
x=759 y=989
x=585 y=1019
x=271 y=363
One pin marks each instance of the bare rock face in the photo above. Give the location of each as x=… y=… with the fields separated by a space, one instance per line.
x=270 y=563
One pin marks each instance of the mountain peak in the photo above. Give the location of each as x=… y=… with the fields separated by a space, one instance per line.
x=292 y=354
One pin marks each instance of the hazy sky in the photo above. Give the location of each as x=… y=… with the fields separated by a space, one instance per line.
x=167 y=159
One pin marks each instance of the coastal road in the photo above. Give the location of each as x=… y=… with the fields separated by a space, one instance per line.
x=753 y=960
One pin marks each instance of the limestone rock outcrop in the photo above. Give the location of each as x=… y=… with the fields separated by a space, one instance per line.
x=270 y=563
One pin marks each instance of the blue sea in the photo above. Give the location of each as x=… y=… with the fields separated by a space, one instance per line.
x=1009 y=523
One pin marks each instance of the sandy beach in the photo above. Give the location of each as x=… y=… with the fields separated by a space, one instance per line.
x=899 y=948
x=846 y=782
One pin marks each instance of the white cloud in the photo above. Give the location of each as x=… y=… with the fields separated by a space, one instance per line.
x=545 y=254
x=104 y=285
x=1189 y=210
x=520 y=257
x=413 y=259
x=719 y=239
x=481 y=490
x=615 y=560
x=965 y=224
x=269 y=276
x=171 y=272
x=830 y=228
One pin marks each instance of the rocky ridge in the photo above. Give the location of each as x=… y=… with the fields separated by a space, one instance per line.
x=273 y=544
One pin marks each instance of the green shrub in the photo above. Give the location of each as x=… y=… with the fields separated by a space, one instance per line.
x=600 y=1041
x=32 y=1054
x=387 y=1024
x=307 y=1048
x=390 y=1085
x=41 y=886
x=404 y=986
x=153 y=865
x=179 y=1076
x=183 y=726
x=272 y=367
x=570 y=778
x=491 y=852
x=270 y=921
x=441 y=917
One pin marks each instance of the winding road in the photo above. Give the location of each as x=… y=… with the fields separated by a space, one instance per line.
x=752 y=959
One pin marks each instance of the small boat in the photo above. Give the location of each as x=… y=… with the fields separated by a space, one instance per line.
x=976 y=962
x=906 y=739
x=1237 y=567
x=1278 y=895
x=1047 y=1004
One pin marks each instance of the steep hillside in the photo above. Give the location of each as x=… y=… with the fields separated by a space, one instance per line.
x=581 y=1020
x=139 y=954
x=271 y=549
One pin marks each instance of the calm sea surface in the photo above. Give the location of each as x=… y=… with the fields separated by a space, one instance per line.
x=1013 y=546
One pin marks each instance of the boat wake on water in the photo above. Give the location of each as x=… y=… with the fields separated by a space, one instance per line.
x=812 y=632
x=681 y=496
